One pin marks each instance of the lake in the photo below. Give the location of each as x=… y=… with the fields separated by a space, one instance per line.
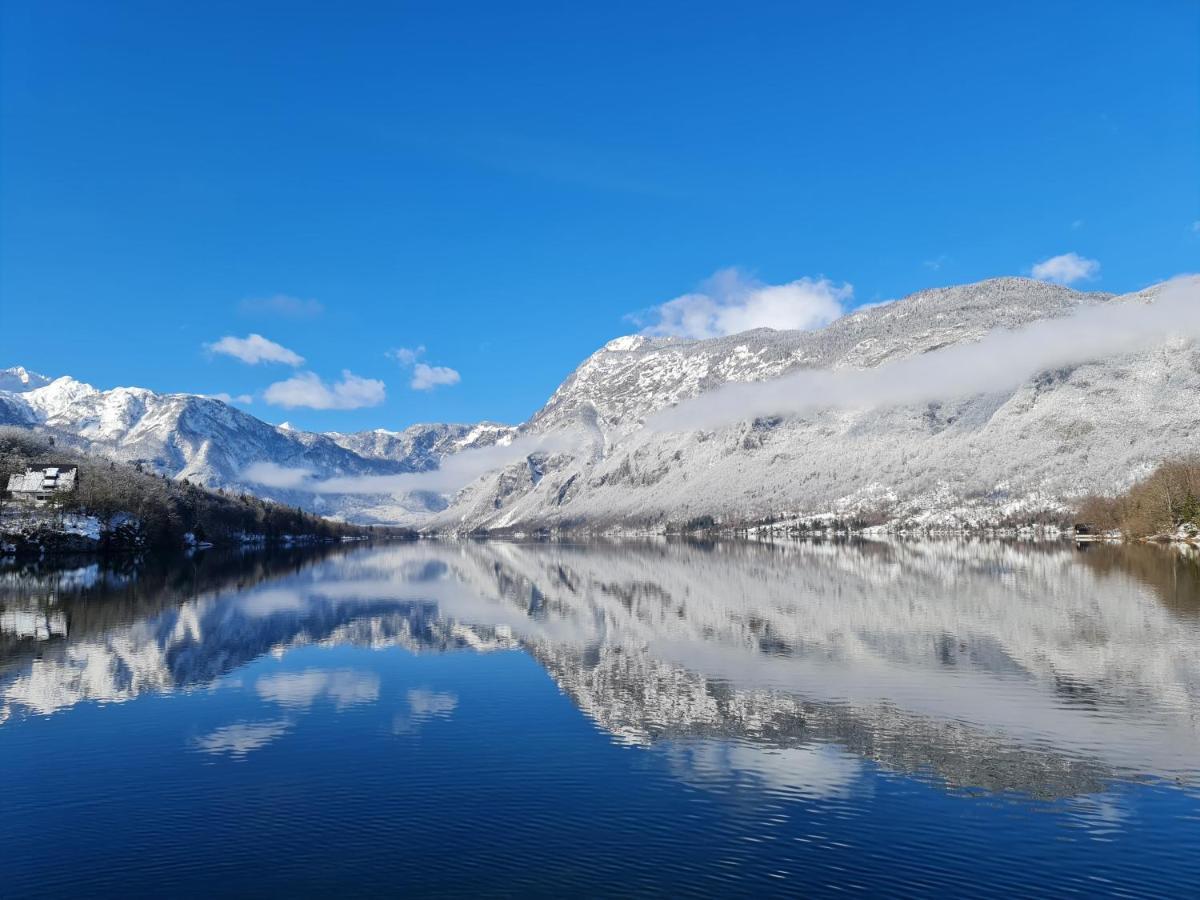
x=466 y=718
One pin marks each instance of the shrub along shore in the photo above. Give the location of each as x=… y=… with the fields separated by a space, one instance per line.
x=1164 y=506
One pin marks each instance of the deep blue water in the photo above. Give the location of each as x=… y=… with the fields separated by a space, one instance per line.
x=608 y=719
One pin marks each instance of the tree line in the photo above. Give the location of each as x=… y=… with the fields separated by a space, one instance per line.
x=1164 y=500
x=138 y=508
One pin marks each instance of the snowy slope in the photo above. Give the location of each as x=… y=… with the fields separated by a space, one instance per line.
x=421 y=446
x=19 y=379
x=207 y=441
x=1019 y=452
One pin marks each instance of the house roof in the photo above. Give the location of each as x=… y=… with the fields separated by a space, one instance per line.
x=46 y=478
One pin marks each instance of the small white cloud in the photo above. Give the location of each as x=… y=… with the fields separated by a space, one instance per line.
x=282 y=305
x=241 y=739
x=231 y=398
x=299 y=690
x=818 y=770
x=425 y=377
x=731 y=302
x=254 y=349
x=1066 y=269
x=424 y=705
x=406 y=356
x=1196 y=227
x=1077 y=224
x=424 y=702
x=308 y=390
x=936 y=263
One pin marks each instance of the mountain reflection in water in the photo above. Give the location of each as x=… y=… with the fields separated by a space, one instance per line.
x=1041 y=671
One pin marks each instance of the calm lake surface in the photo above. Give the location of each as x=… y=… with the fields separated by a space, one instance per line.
x=503 y=718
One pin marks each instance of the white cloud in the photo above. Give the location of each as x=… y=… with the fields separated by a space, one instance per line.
x=273 y=475
x=935 y=264
x=242 y=738
x=1196 y=227
x=424 y=376
x=254 y=349
x=282 y=305
x=230 y=398
x=424 y=705
x=819 y=770
x=455 y=472
x=1001 y=360
x=406 y=356
x=424 y=702
x=299 y=690
x=1066 y=269
x=730 y=302
x=308 y=390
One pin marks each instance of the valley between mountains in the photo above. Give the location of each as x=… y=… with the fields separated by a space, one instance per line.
x=590 y=460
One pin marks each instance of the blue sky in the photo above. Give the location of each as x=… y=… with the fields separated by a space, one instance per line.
x=504 y=185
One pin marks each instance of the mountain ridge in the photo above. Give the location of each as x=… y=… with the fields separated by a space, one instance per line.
x=1028 y=451
x=205 y=440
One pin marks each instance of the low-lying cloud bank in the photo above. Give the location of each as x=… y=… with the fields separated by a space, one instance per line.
x=456 y=472
x=1001 y=360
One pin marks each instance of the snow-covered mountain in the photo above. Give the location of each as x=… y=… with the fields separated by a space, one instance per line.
x=209 y=442
x=1020 y=452
x=1023 y=451
x=19 y=379
x=421 y=446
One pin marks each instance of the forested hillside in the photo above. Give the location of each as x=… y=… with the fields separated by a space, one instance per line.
x=118 y=506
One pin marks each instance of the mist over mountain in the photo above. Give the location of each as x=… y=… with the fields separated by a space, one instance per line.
x=654 y=432
x=1023 y=447
x=204 y=440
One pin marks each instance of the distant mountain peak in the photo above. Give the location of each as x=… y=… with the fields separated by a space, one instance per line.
x=190 y=436
x=973 y=459
x=18 y=379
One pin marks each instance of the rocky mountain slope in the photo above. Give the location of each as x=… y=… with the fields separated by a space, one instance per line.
x=185 y=436
x=1022 y=452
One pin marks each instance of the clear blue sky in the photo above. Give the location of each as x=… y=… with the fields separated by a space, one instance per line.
x=504 y=182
